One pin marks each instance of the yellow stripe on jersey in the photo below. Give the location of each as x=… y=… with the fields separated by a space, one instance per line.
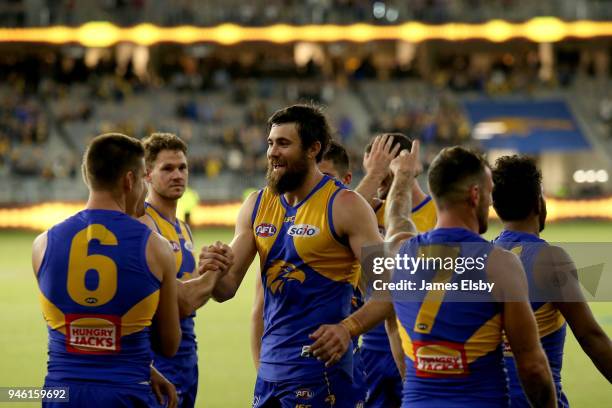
x=549 y=319
x=486 y=339
x=424 y=218
x=406 y=341
x=54 y=317
x=140 y=315
x=166 y=229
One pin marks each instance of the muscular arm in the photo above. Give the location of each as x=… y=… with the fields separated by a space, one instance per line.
x=506 y=271
x=39 y=246
x=193 y=293
x=592 y=338
x=160 y=260
x=257 y=322
x=396 y=344
x=399 y=208
x=243 y=246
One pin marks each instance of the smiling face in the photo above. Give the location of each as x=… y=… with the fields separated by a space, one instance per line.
x=288 y=162
x=169 y=174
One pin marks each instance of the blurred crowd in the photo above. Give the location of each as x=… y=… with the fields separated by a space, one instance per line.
x=265 y=12
x=220 y=106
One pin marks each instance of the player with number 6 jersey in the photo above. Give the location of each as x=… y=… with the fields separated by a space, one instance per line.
x=104 y=277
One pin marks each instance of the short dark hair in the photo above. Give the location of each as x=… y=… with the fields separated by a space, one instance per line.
x=453 y=170
x=336 y=153
x=156 y=142
x=312 y=125
x=517 y=187
x=108 y=157
x=404 y=141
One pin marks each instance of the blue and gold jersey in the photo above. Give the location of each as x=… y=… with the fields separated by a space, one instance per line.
x=424 y=217
x=308 y=276
x=98 y=298
x=453 y=349
x=179 y=236
x=551 y=324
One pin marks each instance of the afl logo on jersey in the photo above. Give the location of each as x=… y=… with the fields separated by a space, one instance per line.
x=303 y=230
x=175 y=246
x=265 y=230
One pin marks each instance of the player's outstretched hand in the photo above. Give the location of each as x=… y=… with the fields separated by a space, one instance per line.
x=377 y=161
x=407 y=162
x=164 y=390
x=331 y=342
x=216 y=257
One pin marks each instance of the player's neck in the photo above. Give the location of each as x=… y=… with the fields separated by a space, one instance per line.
x=529 y=226
x=166 y=207
x=457 y=218
x=298 y=195
x=418 y=195
x=105 y=200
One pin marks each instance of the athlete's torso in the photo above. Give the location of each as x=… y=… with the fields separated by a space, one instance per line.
x=551 y=324
x=453 y=349
x=179 y=236
x=308 y=276
x=98 y=297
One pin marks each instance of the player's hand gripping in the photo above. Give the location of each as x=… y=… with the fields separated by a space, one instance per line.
x=407 y=162
x=216 y=257
x=331 y=342
x=164 y=390
x=376 y=162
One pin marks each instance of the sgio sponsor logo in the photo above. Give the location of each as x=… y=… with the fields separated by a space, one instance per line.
x=265 y=230
x=303 y=230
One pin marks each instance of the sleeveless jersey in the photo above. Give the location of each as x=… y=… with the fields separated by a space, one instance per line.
x=179 y=236
x=453 y=349
x=424 y=217
x=551 y=324
x=308 y=276
x=98 y=298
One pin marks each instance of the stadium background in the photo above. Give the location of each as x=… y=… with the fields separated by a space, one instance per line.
x=501 y=75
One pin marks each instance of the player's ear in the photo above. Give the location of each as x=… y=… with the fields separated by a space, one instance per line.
x=474 y=193
x=129 y=180
x=347 y=178
x=314 y=149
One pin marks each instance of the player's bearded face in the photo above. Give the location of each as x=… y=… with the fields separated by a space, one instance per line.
x=290 y=176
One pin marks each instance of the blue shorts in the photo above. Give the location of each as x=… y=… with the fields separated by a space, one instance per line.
x=331 y=390
x=183 y=373
x=383 y=380
x=95 y=395
x=359 y=380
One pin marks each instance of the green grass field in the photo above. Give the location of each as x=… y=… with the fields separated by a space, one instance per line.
x=226 y=371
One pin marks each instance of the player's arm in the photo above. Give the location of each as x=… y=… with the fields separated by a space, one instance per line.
x=396 y=344
x=39 y=246
x=160 y=260
x=244 y=249
x=195 y=293
x=576 y=311
x=376 y=166
x=257 y=322
x=405 y=168
x=506 y=271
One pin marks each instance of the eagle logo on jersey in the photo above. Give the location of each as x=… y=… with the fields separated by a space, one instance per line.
x=279 y=273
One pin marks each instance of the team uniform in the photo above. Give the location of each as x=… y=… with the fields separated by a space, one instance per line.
x=551 y=324
x=98 y=298
x=383 y=380
x=308 y=275
x=453 y=350
x=182 y=369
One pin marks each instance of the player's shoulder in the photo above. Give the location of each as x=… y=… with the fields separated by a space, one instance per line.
x=348 y=198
